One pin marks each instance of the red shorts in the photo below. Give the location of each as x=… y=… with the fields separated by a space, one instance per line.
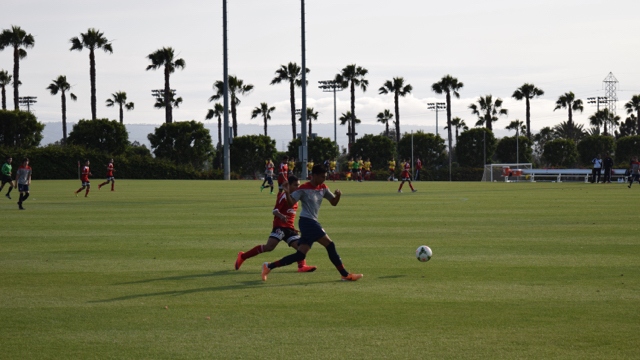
x=405 y=174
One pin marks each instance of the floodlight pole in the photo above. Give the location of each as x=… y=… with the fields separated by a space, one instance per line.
x=333 y=86
x=303 y=117
x=226 y=162
x=411 y=153
x=437 y=106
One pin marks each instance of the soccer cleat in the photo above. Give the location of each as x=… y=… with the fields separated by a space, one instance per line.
x=307 y=268
x=75 y=192
x=352 y=277
x=261 y=188
x=399 y=191
x=239 y=261
x=99 y=186
x=414 y=190
x=8 y=197
x=271 y=193
x=112 y=190
x=21 y=208
x=265 y=271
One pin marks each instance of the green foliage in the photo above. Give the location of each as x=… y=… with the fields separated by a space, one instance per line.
x=470 y=145
x=377 y=147
x=506 y=150
x=626 y=147
x=590 y=146
x=19 y=129
x=319 y=149
x=108 y=136
x=248 y=153
x=428 y=147
x=182 y=142
x=560 y=152
x=137 y=150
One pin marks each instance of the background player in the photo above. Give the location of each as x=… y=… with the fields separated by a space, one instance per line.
x=282 y=173
x=310 y=195
x=392 y=169
x=6 y=176
x=23 y=180
x=110 y=178
x=350 y=174
x=332 y=169
x=85 y=179
x=283 y=230
x=292 y=165
x=406 y=176
x=418 y=168
x=309 y=167
x=634 y=171
x=367 y=169
x=268 y=176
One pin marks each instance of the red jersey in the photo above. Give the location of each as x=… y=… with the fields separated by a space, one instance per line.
x=405 y=171
x=110 y=170
x=283 y=207
x=85 y=174
x=419 y=165
x=282 y=175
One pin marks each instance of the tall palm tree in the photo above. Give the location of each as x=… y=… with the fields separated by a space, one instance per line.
x=265 y=111
x=236 y=87
x=60 y=84
x=173 y=101
x=568 y=101
x=488 y=110
x=397 y=88
x=291 y=73
x=311 y=115
x=448 y=85
x=19 y=40
x=458 y=124
x=5 y=79
x=346 y=118
x=598 y=119
x=352 y=76
x=120 y=98
x=527 y=92
x=384 y=117
x=217 y=111
x=165 y=57
x=570 y=131
x=92 y=40
x=634 y=105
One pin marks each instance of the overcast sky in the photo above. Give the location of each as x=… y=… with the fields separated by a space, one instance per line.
x=492 y=46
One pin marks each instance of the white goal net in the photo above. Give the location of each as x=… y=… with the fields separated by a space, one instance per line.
x=506 y=172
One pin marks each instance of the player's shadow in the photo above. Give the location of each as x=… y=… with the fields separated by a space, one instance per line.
x=392 y=276
x=183 y=277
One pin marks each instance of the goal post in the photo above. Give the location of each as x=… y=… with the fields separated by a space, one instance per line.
x=506 y=172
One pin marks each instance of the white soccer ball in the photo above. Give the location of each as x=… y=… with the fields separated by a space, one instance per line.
x=424 y=253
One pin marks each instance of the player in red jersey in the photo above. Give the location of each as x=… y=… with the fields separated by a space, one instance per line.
x=110 y=178
x=282 y=173
x=283 y=230
x=85 y=179
x=406 y=176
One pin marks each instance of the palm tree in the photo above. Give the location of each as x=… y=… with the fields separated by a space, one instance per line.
x=458 y=123
x=5 y=79
x=628 y=127
x=634 y=105
x=541 y=138
x=291 y=73
x=527 y=92
x=384 y=117
x=488 y=111
x=120 y=98
x=236 y=87
x=398 y=88
x=173 y=101
x=352 y=76
x=19 y=40
x=571 y=131
x=346 y=118
x=598 y=119
x=518 y=126
x=217 y=111
x=568 y=101
x=311 y=115
x=60 y=84
x=265 y=111
x=93 y=40
x=448 y=85
x=165 y=57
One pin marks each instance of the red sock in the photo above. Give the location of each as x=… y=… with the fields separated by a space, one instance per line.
x=103 y=184
x=400 y=188
x=253 y=252
x=87 y=193
x=302 y=263
x=112 y=185
x=411 y=186
x=79 y=190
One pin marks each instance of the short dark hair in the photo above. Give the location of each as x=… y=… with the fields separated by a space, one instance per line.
x=9 y=157
x=25 y=160
x=292 y=179
x=318 y=169
x=285 y=158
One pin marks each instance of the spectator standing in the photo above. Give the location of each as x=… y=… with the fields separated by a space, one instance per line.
x=418 y=168
x=608 y=165
x=597 y=169
x=634 y=171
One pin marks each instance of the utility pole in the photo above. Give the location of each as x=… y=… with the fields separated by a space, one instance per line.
x=27 y=101
x=437 y=106
x=225 y=71
x=332 y=86
x=303 y=117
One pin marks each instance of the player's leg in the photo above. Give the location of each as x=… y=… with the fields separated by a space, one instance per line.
x=400 y=188
x=336 y=260
x=113 y=184
x=271 y=185
x=410 y=185
x=271 y=244
x=302 y=265
x=86 y=194
x=103 y=184
x=82 y=188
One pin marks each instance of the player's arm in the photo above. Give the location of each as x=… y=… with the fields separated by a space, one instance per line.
x=29 y=181
x=336 y=198
x=285 y=188
x=279 y=215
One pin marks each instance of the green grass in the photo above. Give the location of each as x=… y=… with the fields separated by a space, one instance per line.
x=520 y=271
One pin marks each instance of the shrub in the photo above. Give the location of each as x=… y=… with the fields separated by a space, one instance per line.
x=506 y=150
x=470 y=146
x=590 y=146
x=109 y=137
x=19 y=129
x=626 y=147
x=248 y=153
x=318 y=149
x=428 y=147
x=378 y=148
x=560 y=152
x=182 y=142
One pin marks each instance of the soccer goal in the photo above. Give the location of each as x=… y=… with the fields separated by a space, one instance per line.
x=506 y=172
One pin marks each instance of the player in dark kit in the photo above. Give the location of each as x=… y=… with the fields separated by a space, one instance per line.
x=6 y=177
x=310 y=195
x=283 y=230
x=110 y=178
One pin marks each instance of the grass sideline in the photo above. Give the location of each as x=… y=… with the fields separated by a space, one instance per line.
x=520 y=271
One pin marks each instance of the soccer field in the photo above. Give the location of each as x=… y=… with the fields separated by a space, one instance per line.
x=519 y=271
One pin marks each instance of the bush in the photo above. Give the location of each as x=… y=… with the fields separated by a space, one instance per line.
x=506 y=150
x=626 y=147
x=318 y=149
x=378 y=148
x=109 y=137
x=19 y=129
x=248 y=154
x=590 y=146
x=560 y=152
x=182 y=142
x=428 y=147
x=470 y=147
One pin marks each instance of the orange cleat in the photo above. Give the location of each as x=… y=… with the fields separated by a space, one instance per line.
x=307 y=268
x=239 y=261
x=352 y=277
x=265 y=271
x=99 y=186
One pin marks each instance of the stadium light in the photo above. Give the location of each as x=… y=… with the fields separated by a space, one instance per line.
x=225 y=71
x=597 y=100
x=437 y=106
x=303 y=117
x=332 y=86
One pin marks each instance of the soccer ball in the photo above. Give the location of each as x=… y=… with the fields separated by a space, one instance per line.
x=423 y=253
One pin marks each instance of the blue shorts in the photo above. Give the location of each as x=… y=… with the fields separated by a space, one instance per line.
x=269 y=180
x=23 y=188
x=311 y=231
